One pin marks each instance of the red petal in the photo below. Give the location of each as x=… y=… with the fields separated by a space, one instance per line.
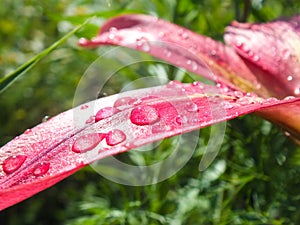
x=179 y=46
x=273 y=51
x=46 y=150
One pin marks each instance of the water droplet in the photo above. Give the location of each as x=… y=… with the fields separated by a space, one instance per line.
x=185 y=36
x=41 y=169
x=255 y=58
x=84 y=107
x=289 y=97
x=174 y=84
x=180 y=119
x=111 y=36
x=160 y=127
x=228 y=105
x=191 y=107
x=194 y=66
x=90 y=120
x=168 y=53
x=286 y=54
x=45 y=119
x=87 y=142
x=115 y=137
x=290 y=78
x=143 y=43
x=144 y=115
x=161 y=34
x=297 y=91
x=212 y=52
x=196 y=83
x=271 y=100
x=27 y=131
x=124 y=103
x=238 y=94
x=12 y=163
x=250 y=94
x=148 y=97
x=104 y=113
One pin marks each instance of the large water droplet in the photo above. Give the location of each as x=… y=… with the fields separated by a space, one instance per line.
x=104 y=113
x=115 y=137
x=191 y=107
x=87 y=142
x=41 y=169
x=124 y=103
x=12 y=163
x=144 y=115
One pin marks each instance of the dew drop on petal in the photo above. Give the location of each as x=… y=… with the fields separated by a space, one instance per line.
x=191 y=107
x=104 y=113
x=90 y=120
x=167 y=52
x=124 y=103
x=289 y=78
x=297 y=91
x=174 y=84
x=255 y=58
x=27 y=131
x=196 y=83
x=45 y=119
x=238 y=94
x=84 y=107
x=161 y=34
x=180 y=119
x=12 y=163
x=144 y=115
x=115 y=137
x=289 y=98
x=41 y=169
x=194 y=66
x=148 y=97
x=87 y=142
x=160 y=127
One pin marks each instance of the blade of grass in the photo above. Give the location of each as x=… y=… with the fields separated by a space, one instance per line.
x=11 y=77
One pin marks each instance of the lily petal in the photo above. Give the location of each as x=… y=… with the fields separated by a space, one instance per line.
x=179 y=46
x=53 y=150
x=273 y=52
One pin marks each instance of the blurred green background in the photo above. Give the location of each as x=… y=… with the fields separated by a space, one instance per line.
x=254 y=180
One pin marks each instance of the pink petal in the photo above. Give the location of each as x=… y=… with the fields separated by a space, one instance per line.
x=273 y=52
x=45 y=154
x=178 y=46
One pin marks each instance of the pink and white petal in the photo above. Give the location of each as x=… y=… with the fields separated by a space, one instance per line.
x=178 y=46
x=60 y=146
x=272 y=47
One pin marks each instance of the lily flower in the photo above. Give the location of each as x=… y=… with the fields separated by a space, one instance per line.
x=256 y=71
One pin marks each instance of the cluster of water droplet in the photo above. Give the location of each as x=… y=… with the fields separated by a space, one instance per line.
x=13 y=163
